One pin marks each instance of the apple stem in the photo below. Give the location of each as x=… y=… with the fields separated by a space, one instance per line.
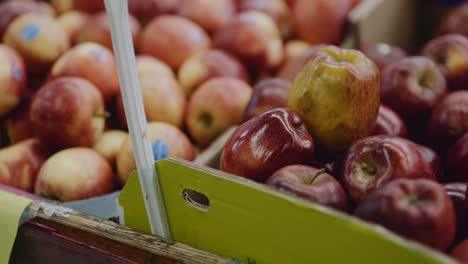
x=321 y=171
x=104 y=114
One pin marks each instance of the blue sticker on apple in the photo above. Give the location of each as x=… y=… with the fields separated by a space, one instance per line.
x=99 y=55
x=17 y=73
x=30 y=32
x=160 y=149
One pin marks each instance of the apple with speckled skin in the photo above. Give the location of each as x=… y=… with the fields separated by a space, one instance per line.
x=173 y=39
x=39 y=39
x=68 y=112
x=74 y=174
x=21 y=162
x=267 y=143
x=12 y=79
x=417 y=209
x=209 y=64
x=177 y=143
x=90 y=61
x=310 y=183
x=214 y=107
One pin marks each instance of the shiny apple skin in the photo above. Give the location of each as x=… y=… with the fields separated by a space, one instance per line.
x=374 y=161
x=457 y=160
x=458 y=192
x=417 y=209
x=310 y=183
x=267 y=94
x=412 y=87
x=266 y=143
x=433 y=159
x=389 y=123
x=383 y=54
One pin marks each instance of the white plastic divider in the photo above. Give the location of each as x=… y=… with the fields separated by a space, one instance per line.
x=117 y=10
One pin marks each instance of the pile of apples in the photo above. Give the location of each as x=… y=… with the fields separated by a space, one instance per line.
x=375 y=132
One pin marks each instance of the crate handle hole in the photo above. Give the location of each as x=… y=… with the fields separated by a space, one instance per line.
x=196 y=199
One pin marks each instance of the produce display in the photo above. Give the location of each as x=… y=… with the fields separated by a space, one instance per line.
x=377 y=131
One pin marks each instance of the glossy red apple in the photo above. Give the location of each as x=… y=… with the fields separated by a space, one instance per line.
x=450 y=53
x=417 y=209
x=266 y=143
x=209 y=64
x=173 y=39
x=433 y=159
x=412 y=87
x=458 y=192
x=214 y=107
x=210 y=15
x=253 y=37
x=68 y=112
x=310 y=183
x=449 y=120
x=12 y=79
x=97 y=29
x=389 y=123
x=267 y=94
x=457 y=160
x=21 y=162
x=74 y=174
x=460 y=252
x=383 y=54
x=321 y=21
x=374 y=161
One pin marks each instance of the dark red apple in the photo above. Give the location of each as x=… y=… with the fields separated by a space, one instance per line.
x=374 y=161
x=433 y=159
x=458 y=191
x=267 y=94
x=455 y=21
x=450 y=53
x=449 y=120
x=460 y=252
x=310 y=183
x=383 y=54
x=457 y=160
x=266 y=143
x=412 y=87
x=389 y=123
x=418 y=209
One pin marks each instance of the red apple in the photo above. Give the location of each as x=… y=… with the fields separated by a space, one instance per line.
x=214 y=107
x=92 y=62
x=73 y=22
x=207 y=65
x=433 y=159
x=177 y=142
x=458 y=192
x=416 y=209
x=39 y=39
x=292 y=67
x=374 y=161
x=97 y=29
x=460 y=252
x=449 y=120
x=457 y=160
x=108 y=145
x=450 y=53
x=266 y=143
x=146 y=10
x=20 y=163
x=412 y=87
x=276 y=9
x=12 y=9
x=18 y=123
x=12 y=79
x=310 y=183
x=75 y=174
x=88 y=6
x=68 y=112
x=321 y=21
x=267 y=94
x=210 y=15
x=173 y=39
x=150 y=65
x=455 y=21
x=389 y=123
x=383 y=54
x=254 y=37
x=163 y=100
